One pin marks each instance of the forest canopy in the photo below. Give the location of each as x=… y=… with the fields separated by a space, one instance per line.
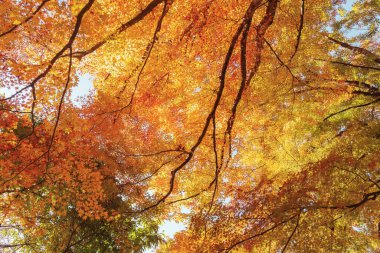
x=255 y=123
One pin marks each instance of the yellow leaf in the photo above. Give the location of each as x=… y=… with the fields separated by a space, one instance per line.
x=75 y=8
x=16 y=22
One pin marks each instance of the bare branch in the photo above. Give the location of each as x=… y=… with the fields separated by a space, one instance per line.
x=352 y=107
x=281 y=61
x=355 y=49
x=299 y=30
x=179 y=149
x=259 y=234
x=293 y=232
x=145 y=57
x=148 y=9
x=366 y=197
x=60 y=106
x=350 y=64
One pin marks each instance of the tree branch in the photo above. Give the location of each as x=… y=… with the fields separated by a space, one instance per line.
x=148 y=9
x=359 y=50
x=293 y=232
x=259 y=234
x=26 y=20
x=351 y=107
x=299 y=30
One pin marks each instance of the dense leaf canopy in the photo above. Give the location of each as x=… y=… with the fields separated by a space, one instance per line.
x=254 y=123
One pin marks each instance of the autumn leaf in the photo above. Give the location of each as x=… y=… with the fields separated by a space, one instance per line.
x=252 y=124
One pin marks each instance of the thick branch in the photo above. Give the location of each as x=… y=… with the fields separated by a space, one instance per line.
x=355 y=49
x=266 y=21
x=261 y=30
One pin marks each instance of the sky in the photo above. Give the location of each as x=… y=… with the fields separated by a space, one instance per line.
x=83 y=88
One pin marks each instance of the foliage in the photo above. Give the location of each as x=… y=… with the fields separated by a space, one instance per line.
x=260 y=117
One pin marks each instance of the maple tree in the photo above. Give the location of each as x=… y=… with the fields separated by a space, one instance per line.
x=260 y=117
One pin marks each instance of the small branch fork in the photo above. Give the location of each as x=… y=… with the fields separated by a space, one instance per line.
x=145 y=59
x=140 y=16
x=270 y=229
x=293 y=232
